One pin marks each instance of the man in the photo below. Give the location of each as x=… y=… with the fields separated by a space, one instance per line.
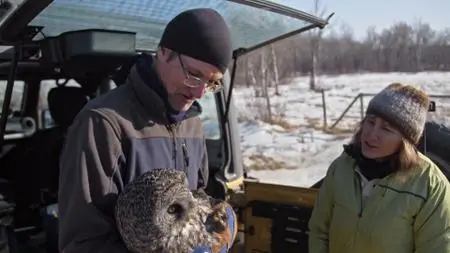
x=151 y=121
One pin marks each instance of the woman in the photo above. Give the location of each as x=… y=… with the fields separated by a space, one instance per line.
x=382 y=195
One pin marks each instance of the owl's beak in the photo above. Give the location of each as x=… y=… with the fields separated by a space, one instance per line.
x=186 y=206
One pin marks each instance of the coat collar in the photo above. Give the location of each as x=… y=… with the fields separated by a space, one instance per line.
x=153 y=103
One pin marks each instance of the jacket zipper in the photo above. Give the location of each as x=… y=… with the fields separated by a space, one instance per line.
x=360 y=211
x=171 y=128
x=359 y=192
x=185 y=156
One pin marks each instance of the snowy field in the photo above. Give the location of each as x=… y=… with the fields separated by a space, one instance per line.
x=300 y=154
x=296 y=151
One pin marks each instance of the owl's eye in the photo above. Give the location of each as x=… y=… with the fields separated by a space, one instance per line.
x=176 y=209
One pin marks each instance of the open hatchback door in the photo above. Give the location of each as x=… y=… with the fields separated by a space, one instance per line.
x=90 y=41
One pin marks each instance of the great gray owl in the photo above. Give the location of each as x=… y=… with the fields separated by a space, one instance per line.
x=157 y=213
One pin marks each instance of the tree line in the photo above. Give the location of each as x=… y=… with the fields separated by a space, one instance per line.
x=402 y=47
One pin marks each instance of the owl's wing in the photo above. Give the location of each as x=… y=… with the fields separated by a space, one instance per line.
x=227 y=236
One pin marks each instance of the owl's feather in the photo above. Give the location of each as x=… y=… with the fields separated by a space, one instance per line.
x=157 y=213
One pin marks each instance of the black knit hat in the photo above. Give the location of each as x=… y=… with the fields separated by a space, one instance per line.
x=201 y=34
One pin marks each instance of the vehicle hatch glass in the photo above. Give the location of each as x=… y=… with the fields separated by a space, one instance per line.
x=209 y=115
x=248 y=25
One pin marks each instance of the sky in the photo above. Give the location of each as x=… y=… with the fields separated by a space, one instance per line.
x=357 y=14
x=360 y=14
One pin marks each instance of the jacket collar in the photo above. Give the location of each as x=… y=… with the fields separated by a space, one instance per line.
x=370 y=168
x=153 y=103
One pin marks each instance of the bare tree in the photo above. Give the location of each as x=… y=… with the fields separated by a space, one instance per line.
x=265 y=84
x=316 y=37
x=401 y=47
x=275 y=70
x=423 y=35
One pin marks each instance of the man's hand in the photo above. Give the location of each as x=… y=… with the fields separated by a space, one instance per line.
x=223 y=226
x=225 y=219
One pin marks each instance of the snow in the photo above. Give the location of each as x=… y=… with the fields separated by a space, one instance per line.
x=300 y=154
x=297 y=152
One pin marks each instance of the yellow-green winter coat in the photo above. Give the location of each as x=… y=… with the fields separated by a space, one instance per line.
x=406 y=212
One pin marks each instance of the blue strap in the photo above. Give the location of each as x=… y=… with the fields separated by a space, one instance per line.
x=231 y=220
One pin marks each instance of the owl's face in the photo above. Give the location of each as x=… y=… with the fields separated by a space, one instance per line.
x=159 y=204
x=173 y=210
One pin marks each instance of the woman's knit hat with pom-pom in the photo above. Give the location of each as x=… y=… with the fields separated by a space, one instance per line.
x=403 y=106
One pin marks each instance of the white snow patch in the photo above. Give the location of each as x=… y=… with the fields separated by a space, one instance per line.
x=306 y=151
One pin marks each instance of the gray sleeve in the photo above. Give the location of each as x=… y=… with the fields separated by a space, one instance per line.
x=88 y=188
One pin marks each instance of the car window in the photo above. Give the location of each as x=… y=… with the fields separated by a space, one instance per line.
x=209 y=116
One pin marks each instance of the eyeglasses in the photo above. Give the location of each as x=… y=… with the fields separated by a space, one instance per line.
x=196 y=82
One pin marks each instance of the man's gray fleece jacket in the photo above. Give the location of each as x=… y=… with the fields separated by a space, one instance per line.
x=114 y=139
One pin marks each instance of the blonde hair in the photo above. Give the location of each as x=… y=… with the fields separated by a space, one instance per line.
x=406 y=157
